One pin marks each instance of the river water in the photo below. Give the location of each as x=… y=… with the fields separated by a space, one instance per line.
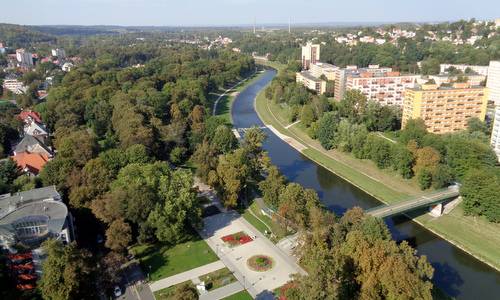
x=456 y=272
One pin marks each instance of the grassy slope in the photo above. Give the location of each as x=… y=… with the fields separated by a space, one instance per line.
x=475 y=235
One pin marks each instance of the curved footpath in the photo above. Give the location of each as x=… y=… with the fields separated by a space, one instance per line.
x=456 y=273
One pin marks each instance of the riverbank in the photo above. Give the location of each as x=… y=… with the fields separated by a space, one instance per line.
x=224 y=102
x=473 y=235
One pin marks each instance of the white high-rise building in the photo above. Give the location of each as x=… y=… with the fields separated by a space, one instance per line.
x=495 y=133
x=310 y=55
x=493 y=82
x=24 y=57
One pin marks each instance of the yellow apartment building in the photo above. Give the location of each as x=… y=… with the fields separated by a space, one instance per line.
x=445 y=109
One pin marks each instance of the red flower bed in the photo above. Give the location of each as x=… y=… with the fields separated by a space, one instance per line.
x=236 y=239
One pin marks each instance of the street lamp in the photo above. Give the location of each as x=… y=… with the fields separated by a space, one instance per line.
x=244 y=283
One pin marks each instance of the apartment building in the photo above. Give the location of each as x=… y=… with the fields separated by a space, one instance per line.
x=341 y=76
x=24 y=57
x=495 y=133
x=328 y=70
x=311 y=82
x=386 y=89
x=493 y=82
x=445 y=109
x=310 y=55
x=481 y=70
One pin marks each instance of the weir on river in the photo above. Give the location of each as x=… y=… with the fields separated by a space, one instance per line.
x=457 y=273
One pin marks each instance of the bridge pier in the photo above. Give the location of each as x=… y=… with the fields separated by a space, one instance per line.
x=436 y=210
x=444 y=207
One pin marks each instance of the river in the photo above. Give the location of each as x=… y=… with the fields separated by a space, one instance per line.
x=457 y=273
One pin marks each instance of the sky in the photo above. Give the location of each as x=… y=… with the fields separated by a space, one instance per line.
x=239 y=12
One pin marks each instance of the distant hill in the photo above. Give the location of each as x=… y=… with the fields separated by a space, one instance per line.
x=18 y=36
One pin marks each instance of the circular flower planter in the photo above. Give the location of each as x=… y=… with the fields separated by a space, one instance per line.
x=260 y=263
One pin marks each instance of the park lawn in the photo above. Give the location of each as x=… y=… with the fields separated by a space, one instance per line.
x=163 y=261
x=474 y=234
x=167 y=293
x=218 y=279
x=243 y=295
x=258 y=224
x=263 y=223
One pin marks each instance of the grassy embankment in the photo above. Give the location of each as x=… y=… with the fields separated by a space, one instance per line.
x=474 y=235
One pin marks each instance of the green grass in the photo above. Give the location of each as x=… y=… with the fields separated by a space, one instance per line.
x=218 y=279
x=243 y=295
x=273 y=64
x=474 y=234
x=167 y=293
x=163 y=261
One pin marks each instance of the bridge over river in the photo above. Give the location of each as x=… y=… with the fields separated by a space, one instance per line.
x=413 y=203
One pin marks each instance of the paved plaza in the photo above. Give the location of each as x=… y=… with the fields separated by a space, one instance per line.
x=259 y=284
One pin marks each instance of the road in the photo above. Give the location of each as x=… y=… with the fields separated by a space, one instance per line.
x=135 y=289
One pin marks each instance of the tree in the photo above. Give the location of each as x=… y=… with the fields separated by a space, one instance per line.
x=480 y=189
x=93 y=180
x=9 y=171
x=424 y=177
x=68 y=272
x=442 y=177
x=205 y=159
x=430 y=66
x=307 y=115
x=272 y=186
x=231 y=176
x=426 y=158
x=353 y=106
x=57 y=171
x=415 y=129
x=78 y=145
x=118 y=235
x=178 y=209
x=26 y=183
x=476 y=125
x=112 y=268
x=327 y=128
x=224 y=140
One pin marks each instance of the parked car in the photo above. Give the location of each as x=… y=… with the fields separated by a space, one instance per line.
x=117 y=291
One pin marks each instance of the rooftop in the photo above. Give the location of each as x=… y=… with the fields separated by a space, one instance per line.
x=10 y=202
x=309 y=76
x=455 y=86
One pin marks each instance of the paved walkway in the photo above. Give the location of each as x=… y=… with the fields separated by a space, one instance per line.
x=223 y=292
x=258 y=284
x=185 y=276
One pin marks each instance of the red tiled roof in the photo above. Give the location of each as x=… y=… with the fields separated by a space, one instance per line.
x=32 y=161
x=29 y=113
